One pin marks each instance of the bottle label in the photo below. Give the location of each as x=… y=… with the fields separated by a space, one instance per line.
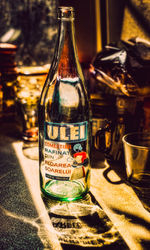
x=65 y=151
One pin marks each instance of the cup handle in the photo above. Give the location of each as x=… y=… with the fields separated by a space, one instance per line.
x=103 y=139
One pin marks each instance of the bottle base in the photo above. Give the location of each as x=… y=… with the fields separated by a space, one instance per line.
x=65 y=190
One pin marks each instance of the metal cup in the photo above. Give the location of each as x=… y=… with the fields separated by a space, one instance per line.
x=137 y=160
x=108 y=140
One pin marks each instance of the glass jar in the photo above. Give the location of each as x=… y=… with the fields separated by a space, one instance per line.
x=30 y=81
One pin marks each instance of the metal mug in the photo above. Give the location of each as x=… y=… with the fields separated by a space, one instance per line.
x=108 y=140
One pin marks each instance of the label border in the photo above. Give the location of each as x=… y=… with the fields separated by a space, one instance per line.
x=63 y=124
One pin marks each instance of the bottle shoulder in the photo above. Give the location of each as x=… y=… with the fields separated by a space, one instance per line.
x=66 y=100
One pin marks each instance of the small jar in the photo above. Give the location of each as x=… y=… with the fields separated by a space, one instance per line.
x=9 y=73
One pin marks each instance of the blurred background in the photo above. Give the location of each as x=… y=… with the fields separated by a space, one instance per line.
x=28 y=32
x=31 y=26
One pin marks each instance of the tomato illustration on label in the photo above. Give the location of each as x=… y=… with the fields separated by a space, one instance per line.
x=80 y=162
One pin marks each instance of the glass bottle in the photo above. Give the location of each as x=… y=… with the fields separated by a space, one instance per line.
x=64 y=120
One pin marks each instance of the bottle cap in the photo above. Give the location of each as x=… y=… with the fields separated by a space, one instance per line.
x=65 y=13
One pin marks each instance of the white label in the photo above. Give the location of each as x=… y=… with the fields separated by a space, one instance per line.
x=65 y=146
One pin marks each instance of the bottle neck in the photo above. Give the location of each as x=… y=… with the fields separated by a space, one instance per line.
x=67 y=53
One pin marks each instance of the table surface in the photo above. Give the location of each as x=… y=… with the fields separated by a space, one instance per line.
x=25 y=221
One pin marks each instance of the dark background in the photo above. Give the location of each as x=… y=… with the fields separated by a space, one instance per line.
x=32 y=26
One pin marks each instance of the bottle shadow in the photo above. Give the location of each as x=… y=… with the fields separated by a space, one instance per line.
x=83 y=223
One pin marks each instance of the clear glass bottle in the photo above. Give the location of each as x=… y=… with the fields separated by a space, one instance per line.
x=64 y=120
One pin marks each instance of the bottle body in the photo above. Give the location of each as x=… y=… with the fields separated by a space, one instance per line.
x=64 y=122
